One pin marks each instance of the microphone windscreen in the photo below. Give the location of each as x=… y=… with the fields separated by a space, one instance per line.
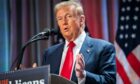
x=52 y=31
x=55 y=31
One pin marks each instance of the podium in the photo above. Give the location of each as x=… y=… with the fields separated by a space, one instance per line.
x=55 y=79
x=38 y=75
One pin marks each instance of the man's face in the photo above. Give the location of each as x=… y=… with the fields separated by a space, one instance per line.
x=70 y=22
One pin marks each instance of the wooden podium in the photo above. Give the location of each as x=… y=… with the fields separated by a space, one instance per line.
x=38 y=75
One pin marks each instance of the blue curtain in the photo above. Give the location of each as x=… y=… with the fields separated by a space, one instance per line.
x=4 y=36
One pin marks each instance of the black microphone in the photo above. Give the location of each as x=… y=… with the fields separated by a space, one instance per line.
x=40 y=36
x=50 y=31
x=47 y=32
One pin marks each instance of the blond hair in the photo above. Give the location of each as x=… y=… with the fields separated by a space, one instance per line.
x=77 y=6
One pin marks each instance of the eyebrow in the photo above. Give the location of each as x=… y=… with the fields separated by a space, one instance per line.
x=64 y=15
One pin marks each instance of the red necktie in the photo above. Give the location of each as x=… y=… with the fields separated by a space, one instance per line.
x=68 y=63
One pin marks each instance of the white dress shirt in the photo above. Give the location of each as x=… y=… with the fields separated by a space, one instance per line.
x=78 y=42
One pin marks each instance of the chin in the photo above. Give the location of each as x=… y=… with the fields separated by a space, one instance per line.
x=67 y=35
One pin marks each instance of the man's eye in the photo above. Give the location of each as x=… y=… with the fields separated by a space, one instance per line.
x=59 y=18
x=69 y=16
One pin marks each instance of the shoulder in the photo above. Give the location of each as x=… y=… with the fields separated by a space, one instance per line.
x=55 y=47
x=99 y=43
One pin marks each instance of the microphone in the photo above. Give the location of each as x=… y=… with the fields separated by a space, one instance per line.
x=40 y=36
x=47 y=32
x=50 y=31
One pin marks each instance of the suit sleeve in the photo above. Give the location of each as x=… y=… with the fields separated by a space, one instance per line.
x=107 y=68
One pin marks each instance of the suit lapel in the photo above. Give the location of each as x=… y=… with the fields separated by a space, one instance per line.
x=86 y=51
x=57 y=62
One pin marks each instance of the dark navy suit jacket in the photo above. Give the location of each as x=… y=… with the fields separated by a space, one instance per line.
x=99 y=57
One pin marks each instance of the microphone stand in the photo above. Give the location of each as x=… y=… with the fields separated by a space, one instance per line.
x=33 y=39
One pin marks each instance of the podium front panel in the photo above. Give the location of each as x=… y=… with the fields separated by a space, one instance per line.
x=38 y=75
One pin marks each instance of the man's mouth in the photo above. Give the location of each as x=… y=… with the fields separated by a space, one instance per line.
x=66 y=29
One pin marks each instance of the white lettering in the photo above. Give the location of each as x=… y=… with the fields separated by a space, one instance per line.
x=17 y=81
x=10 y=82
x=24 y=83
x=41 y=81
x=29 y=82
x=35 y=82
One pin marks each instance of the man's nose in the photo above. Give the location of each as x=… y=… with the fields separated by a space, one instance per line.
x=65 y=21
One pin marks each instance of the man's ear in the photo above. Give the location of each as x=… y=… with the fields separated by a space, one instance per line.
x=82 y=20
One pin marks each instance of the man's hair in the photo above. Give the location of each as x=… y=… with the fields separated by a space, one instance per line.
x=78 y=6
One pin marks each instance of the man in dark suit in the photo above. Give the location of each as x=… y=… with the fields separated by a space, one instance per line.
x=93 y=60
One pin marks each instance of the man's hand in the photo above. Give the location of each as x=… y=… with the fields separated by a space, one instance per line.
x=34 y=65
x=80 y=66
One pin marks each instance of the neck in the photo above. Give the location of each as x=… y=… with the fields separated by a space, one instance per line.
x=74 y=37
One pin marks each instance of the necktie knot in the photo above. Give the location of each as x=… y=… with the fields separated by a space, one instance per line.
x=71 y=44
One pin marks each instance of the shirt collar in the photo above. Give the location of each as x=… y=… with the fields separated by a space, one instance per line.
x=79 y=39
